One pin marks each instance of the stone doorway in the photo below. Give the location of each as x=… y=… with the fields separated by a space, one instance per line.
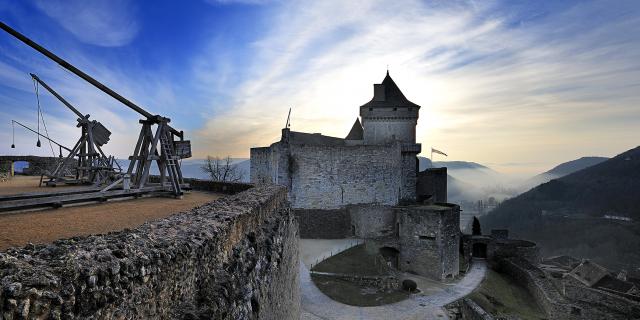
x=480 y=250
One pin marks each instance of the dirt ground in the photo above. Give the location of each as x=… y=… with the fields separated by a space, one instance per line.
x=28 y=184
x=18 y=229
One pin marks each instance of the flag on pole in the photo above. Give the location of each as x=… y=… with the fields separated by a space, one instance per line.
x=438 y=152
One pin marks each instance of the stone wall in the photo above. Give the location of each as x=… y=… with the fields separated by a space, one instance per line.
x=331 y=177
x=600 y=303
x=6 y=168
x=385 y=126
x=429 y=240
x=472 y=311
x=506 y=248
x=37 y=165
x=534 y=280
x=324 y=224
x=409 y=173
x=213 y=186
x=372 y=221
x=260 y=167
x=234 y=258
x=432 y=184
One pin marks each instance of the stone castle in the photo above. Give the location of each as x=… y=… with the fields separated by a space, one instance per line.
x=375 y=163
x=367 y=185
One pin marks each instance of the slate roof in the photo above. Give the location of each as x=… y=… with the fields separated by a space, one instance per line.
x=566 y=262
x=589 y=273
x=614 y=284
x=393 y=96
x=356 y=133
x=315 y=139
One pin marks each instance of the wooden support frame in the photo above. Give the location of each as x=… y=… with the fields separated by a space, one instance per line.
x=158 y=148
x=92 y=165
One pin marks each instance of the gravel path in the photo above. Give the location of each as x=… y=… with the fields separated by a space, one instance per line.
x=18 y=229
x=316 y=305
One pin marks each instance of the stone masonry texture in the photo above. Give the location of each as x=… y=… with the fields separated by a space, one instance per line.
x=234 y=258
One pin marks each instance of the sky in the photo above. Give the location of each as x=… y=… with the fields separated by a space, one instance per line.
x=519 y=86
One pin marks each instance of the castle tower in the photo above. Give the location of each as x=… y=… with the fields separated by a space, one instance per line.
x=389 y=118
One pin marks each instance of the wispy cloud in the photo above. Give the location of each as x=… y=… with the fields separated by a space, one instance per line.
x=494 y=86
x=107 y=23
x=536 y=83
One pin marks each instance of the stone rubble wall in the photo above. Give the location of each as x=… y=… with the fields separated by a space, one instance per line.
x=472 y=311
x=234 y=258
x=551 y=301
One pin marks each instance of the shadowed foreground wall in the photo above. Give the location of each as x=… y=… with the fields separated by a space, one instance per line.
x=234 y=258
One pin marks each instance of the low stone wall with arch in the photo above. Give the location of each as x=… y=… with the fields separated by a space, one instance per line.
x=37 y=165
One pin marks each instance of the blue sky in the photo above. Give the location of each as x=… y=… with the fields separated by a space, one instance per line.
x=517 y=85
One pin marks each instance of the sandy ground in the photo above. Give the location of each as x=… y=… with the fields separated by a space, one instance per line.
x=29 y=184
x=44 y=226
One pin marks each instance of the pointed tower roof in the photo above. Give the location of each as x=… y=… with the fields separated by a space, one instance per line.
x=356 y=133
x=387 y=94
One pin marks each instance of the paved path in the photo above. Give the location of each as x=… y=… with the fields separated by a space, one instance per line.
x=317 y=305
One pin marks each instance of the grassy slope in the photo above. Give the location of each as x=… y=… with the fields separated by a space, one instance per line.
x=353 y=261
x=499 y=296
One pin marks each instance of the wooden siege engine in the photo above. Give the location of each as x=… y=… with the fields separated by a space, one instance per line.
x=92 y=166
x=166 y=146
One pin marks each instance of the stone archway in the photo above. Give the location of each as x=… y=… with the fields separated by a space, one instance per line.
x=37 y=165
x=479 y=250
x=391 y=255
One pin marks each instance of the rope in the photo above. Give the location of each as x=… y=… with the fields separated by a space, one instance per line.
x=13 y=134
x=35 y=87
x=47 y=133
x=41 y=116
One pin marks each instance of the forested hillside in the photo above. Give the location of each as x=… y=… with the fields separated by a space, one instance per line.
x=566 y=215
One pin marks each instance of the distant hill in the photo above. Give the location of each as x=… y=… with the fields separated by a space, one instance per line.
x=565 y=215
x=451 y=165
x=471 y=181
x=562 y=170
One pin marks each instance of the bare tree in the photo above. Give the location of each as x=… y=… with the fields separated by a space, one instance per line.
x=221 y=169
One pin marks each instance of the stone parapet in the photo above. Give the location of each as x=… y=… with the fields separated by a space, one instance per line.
x=234 y=258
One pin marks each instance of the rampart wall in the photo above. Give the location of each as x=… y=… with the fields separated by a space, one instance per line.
x=330 y=177
x=234 y=258
x=472 y=311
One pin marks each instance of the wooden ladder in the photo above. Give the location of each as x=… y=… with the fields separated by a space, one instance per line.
x=166 y=146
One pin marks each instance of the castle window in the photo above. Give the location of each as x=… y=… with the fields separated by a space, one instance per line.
x=395 y=109
x=370 y=109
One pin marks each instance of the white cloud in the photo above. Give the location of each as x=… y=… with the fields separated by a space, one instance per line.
x=107 y=23
x=490 y=92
